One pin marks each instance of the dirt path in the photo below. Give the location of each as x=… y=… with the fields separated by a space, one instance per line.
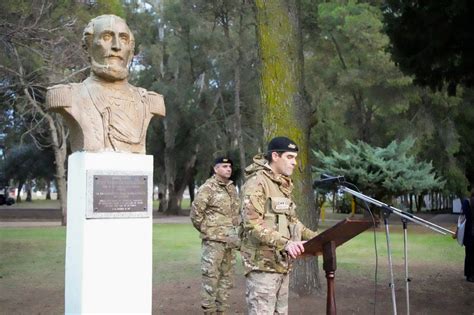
x=433 y=291
x=428 y=295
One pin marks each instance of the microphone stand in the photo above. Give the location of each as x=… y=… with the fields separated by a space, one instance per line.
x=391 y=284
x=405 y=249
x=405 y=216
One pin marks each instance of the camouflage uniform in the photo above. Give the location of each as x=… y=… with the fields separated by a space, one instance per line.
x=215 y=213
x=269 y=221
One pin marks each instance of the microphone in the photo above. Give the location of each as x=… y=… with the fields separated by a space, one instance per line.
x=328 y=181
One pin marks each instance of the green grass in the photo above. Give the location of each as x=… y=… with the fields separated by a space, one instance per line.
x=429 y=249
x=32 y=257
x=176 y=252
x=35 y=256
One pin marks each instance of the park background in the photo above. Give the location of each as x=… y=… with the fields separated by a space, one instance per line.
x=377 y=91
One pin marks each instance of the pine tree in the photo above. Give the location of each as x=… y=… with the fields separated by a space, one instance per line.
x=381 y=172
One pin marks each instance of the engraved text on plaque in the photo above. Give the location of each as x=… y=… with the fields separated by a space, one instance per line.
x=118 y=195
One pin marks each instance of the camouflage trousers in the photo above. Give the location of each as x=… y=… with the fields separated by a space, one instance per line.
x=267 y=293
x=217 y=268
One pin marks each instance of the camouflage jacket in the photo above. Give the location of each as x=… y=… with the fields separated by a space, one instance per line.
x=215 y=211
x=269 y=219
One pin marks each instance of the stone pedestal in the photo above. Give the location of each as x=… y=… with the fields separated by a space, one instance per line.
x=109 y=234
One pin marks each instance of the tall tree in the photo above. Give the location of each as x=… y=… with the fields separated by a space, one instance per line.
x=433 y=41
x=226 y=15
x=190 y=57
x=25 y=163
x=362 y=94
x=361 y=80
x=286 y=111
x=464 y=123
x=382 y=172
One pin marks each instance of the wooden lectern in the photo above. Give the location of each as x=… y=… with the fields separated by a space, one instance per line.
x=325 y=244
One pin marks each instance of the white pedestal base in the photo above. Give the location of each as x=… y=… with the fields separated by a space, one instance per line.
x=108 y=260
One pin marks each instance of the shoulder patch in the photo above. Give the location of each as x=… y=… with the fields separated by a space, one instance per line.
x=58 y=96
x=156 y=103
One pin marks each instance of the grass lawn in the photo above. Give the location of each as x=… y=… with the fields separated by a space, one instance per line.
x=31 y=255
x=32 y=268
x=358 y=255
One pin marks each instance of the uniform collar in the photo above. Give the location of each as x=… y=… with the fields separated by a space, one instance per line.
x=220 y=182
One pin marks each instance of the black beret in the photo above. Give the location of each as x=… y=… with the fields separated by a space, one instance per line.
x=282 y=144
x=222 y=159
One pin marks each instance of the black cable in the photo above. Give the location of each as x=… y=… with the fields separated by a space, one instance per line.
x=345 y=183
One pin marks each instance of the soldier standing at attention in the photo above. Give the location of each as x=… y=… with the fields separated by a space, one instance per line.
x=272 y=233
x=215 y=214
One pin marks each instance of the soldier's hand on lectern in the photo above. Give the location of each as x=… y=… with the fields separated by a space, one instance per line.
x=295 y=249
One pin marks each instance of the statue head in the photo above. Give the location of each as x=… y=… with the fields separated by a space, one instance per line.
x=110 y=45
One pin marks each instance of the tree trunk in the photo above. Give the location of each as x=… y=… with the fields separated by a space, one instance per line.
x=419 y=202
x=287 y=113
x=238 y=120
x=191 y=187
x=58 y=137
x=170 y=165
x=48 y=190
x=178 y=186
x=58 y=143
x=238 y=115
x=20 y=187
x=28 y=191
x=162 y=197
x=236 y=49
x=173 y=207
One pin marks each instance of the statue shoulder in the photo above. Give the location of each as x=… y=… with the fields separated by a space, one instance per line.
x=59 y=96
x=155 y=101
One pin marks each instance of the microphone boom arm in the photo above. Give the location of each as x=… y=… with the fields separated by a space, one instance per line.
x=401 y=213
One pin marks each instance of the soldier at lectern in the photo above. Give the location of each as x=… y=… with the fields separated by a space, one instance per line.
x=105 y=112
x=272 y=233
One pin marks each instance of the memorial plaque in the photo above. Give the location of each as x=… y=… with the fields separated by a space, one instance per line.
x=118 y=195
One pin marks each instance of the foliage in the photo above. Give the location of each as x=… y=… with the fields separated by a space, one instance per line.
x=361 y=94
x=432 y=40
x=356 y=81
x=193 y=52
x=381 y=172
x=189 y=57
x=28 y=162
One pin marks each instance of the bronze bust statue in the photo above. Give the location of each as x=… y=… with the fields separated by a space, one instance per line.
x=105 y=112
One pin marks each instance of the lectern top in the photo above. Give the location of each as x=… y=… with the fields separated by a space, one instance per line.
x=340 y=233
